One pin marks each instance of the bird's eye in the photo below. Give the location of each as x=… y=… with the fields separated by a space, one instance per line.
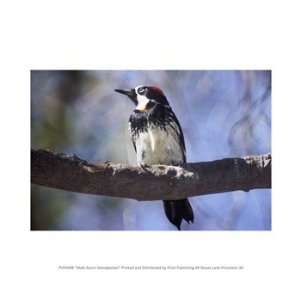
x=141 y=90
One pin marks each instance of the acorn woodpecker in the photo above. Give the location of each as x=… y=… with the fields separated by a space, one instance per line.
x=158 y=139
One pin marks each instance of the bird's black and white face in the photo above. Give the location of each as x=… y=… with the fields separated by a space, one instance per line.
x=145 y=97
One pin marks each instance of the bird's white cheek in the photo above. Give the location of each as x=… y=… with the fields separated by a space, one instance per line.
x=142 y=103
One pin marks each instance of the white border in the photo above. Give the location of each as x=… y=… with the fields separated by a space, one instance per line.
x=148 y=35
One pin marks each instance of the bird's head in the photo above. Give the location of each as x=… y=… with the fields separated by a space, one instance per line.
x=145 y=97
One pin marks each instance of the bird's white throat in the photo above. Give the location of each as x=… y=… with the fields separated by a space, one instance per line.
x=142 y=102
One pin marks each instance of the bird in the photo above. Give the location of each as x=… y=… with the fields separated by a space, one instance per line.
x=157 y=138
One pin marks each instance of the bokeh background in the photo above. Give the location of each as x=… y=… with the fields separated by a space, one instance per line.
x=222 y=113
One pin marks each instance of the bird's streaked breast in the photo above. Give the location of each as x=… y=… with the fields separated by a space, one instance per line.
x=158 y=145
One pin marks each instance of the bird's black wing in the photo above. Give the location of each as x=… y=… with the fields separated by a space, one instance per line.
x=174 y=123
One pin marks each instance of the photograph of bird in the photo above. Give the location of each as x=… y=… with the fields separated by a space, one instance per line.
x=158 y=139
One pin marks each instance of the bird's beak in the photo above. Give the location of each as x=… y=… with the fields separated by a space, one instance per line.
x=131 y=94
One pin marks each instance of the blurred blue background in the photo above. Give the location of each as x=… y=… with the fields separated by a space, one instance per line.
x=222 y=113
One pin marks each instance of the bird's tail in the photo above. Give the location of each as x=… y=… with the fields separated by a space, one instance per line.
x=176 y=210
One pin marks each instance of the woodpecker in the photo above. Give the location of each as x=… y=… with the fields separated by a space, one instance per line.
x=158 y=139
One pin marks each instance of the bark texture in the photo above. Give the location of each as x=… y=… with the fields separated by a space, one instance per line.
x=70 y=173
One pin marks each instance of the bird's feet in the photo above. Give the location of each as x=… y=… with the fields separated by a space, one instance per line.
x=144 y=166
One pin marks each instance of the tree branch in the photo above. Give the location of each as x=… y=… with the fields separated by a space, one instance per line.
x=156 y=182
